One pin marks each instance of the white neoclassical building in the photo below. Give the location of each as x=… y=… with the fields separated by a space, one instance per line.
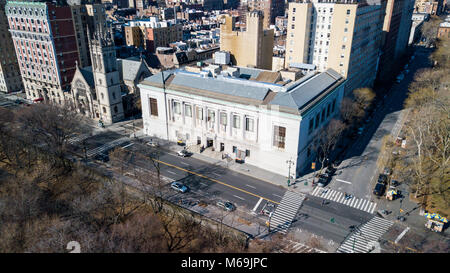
x=260 y=117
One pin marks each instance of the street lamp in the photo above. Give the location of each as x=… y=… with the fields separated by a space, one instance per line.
x=289 y=162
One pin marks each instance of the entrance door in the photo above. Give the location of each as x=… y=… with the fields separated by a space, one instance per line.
x=209 y=142
x=222 y=147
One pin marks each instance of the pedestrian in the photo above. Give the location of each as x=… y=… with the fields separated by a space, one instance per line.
x=323 y=202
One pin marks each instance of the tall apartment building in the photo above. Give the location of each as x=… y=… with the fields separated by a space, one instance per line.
x=151 y=33
x=46 y=47
x=396 y=31
x=270 y=8
x=10 y=79
x=86 y=16
x=344 y=36
x=252 y=47
x=435 y=7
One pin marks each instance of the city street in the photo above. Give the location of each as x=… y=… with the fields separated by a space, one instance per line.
x=357 y=173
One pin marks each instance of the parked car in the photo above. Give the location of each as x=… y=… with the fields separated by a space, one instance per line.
x=102 y=157
x=268 y=209
x=387 y=171
x=179 y=187
x=330 y=170
x=323 y=180
x=183 y=153
x=360 y=130
x=400 y=78
x=382 y=178
x=379 y=189
x=152 y=143
x=228 y=206
x=395 y=183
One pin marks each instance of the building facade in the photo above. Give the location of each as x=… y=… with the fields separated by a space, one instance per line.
x=10 y=79
x=396 y=32
x=429 y=6
x=270 y=8
x=152 y=33
x=259 y=123
x=46 y=47
x=252 y=47
x=343 y=36
x=86 y=16
x=444 y=30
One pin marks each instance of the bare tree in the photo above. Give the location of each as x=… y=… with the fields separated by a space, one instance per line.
x=328 y=138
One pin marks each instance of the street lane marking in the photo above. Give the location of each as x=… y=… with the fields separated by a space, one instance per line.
x=257 y=204
x=184 y=163
x=250 y=186
x=277 y=196
x=401 y=235
x=171 y=172
x=217 y=181
x=343 y=181
x=127 y=145
x=238 y=197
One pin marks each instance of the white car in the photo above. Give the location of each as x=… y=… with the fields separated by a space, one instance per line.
x=183 y=153
x=152 y=144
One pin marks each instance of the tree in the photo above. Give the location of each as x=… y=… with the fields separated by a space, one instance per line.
x=363 y=97
x=50 y=126
x=328 y=137
x=430 y=28
x=350 y=111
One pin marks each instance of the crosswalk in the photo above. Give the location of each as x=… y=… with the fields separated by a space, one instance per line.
x=286 y=211
x=290 y=246
x=339 y=197
x=107 y=146
x=78 y=138
x=360 y=240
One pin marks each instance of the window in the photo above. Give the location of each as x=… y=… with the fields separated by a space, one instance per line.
x=153 y=107
x=236 y=122
x=311 y=125
x=249 y=124
x=323 y=114
x=199 y=113
x=348 y=12
x=188 y=110
x=317 y=121
x=343 y=46
x=333 y=105
x=177 y=107
x=328 y=110
x=223 y=118
x=293 y=10
x=211 y=116
x=247 y=153
x=345 y=29
x=279 y=136
x=115 y=109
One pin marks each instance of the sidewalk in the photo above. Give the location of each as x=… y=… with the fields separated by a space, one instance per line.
x=245 y=169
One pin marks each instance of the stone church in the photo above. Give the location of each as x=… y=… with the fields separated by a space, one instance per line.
x=107 y=91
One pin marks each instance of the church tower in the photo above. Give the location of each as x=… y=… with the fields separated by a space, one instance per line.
x=106 y=75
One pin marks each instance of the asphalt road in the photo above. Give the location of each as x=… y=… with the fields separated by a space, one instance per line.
x=357 y=173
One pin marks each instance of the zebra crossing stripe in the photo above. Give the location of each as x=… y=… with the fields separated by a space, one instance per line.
x=339 y=197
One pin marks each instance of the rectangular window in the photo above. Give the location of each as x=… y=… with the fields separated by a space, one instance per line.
x=153 y=107
x=223 y=118
x=279 y=136
x=249 y=124
x=199 y=113
x=247 y=153
x=234 y=149
x=211 y=116
x=333 y=106
x=311 y=126
x=323 y=114
x=236 y=122
x=348 y=11
x=317 y=121
x=328 y=110
x=188 y=110
x=177 y=107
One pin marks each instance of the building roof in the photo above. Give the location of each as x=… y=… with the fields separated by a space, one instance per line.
x=88 y=75
x=301 y=95
x=294 y=98
x=129 y=68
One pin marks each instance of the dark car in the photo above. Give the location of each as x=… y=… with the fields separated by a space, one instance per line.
x=379 y=189
x=382 y=178
x=102 y=157
x=330 y=170
x=228 y=206
x=323 y=180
